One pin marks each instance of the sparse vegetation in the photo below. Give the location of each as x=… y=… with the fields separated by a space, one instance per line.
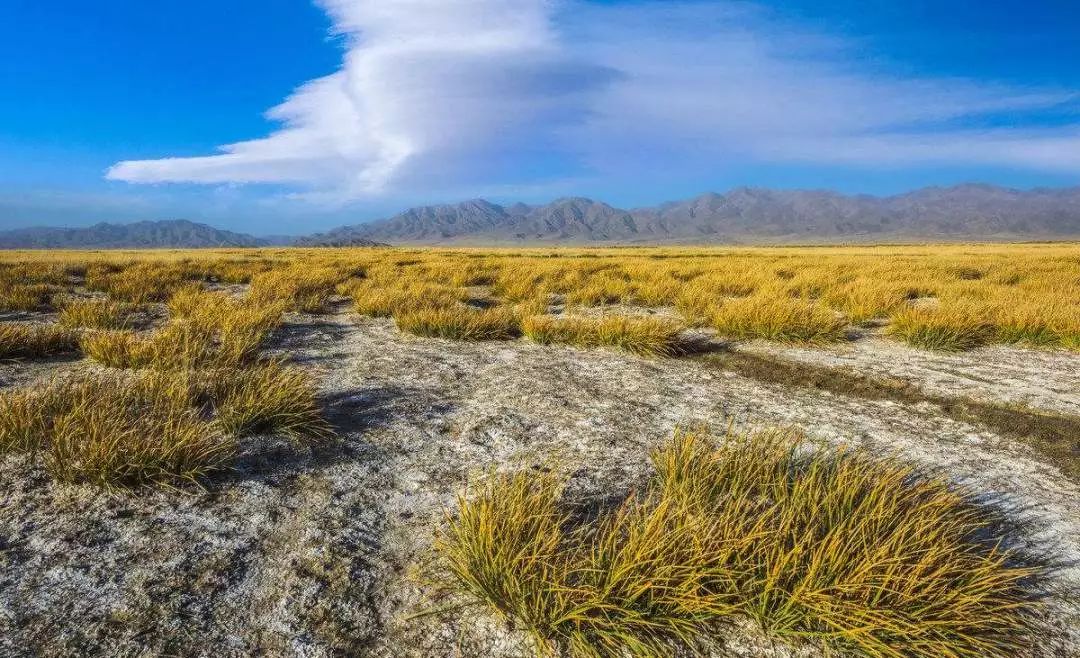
x=855 y=552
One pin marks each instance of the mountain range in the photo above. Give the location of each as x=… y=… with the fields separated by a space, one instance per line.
x=743 y=215
x=176 y=233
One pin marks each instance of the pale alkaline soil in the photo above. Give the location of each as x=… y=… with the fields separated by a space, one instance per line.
x=327 y=552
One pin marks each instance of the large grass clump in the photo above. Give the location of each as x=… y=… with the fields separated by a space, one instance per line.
x=777 y=317
x=95 y=314
x=26 y=340
x=206 y=330
x=113 y=431
x=947 y=328
x=156 y=426
x=857 y=553
x=268 y=398
x=645 y=336
x=461 y=323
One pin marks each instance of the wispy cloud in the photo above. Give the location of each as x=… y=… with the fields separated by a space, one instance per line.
x=473 y=94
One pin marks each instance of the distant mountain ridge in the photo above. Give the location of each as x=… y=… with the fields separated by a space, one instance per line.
x=742 y=215
x=176 y=233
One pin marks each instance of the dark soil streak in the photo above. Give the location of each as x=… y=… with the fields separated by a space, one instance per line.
x=1055 y=436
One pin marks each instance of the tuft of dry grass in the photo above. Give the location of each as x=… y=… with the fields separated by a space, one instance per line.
x=206 y=330
x=25 y=340
x=95 y=314
x=22 y=297
x=382 y=301
x=856 y=553
x=645 y=336
x=114 y=431
x=268 y=397
x=776 y=317
x=461 y=323
x=948 y=327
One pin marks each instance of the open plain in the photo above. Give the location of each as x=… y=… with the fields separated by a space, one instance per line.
x=854 y=451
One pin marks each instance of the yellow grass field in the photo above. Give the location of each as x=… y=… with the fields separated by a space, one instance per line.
x=948 y=297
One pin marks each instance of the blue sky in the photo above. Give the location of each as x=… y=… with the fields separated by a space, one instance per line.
x=293 y=116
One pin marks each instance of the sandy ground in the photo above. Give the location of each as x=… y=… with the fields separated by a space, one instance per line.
x=317 y=553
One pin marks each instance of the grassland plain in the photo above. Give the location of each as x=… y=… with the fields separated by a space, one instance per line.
x=319 y=420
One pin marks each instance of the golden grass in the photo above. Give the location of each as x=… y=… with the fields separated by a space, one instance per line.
x=777 y=317
x=1030 y=294
x=21 y=297
x=206 y=330
x=856 y=553
x=386 y=300
x=26 y=340
x=461 y=323
x=645 y=336
x=268 y=398
x=95 y=314
x=111 y=431
x=948 y=327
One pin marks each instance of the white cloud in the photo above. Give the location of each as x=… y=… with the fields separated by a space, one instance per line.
x=471 y=94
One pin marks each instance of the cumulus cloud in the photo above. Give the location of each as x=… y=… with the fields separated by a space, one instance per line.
x=471 y=94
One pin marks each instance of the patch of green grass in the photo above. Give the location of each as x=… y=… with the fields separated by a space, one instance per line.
x=856 y=553
x=461 y=323
x=25 y=340
x=645 y=336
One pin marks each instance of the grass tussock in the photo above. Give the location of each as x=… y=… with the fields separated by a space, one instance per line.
x=23 y=297
x=948 y=328
x=25 y=340
x=113 y=431
x=268 y=398
x=645 y=336
x=779 y=318
x=206 y=330
x=461 y=323
x=859 y=554
x=95 y=314
x=382 y=301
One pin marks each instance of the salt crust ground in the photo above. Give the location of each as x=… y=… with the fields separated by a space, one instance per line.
x=315 y=554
